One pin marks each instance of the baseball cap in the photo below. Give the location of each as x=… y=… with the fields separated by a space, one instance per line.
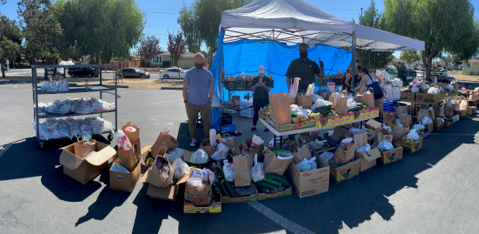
x=261 y=69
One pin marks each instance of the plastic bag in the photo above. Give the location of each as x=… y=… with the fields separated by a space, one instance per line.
x=284 y=155
x=316 y=97
x=365 y=148
x=439 y=119
x=449 y=87
x=119 y=168
x=385 y=145
x=257 y=170
x=228 y=169
x=221 y=152
x=441 y=89
x=455 y=118
x=299 y=111
x=179 y=168
x=433 y=90
x=63 y=86
x=310 y=90
x=257 y=141
x=175 y=154
x=168 y=128
x=52 y=87
x=199 y=157
x=414 y=90
x=426 y=120
x=352 y=103
x=45 y=86
x=398 y=123
x=321 y=102
x=412 y=135
x=418 y=127
x=211 y=175
x=326 y=156
x=123 y=141
x=197 y=177
x=316 y=144
x=293 y=90
x=307 y=165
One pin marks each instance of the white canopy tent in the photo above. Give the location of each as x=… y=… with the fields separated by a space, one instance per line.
x=294 y=21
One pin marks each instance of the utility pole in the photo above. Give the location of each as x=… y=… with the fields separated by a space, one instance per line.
x=361 y=12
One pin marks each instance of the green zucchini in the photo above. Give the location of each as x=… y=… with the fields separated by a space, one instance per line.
x=265 y=185
x=223 y=188
x=279 y=178
x=231 y=192
x=264 y=190
x=273 y=182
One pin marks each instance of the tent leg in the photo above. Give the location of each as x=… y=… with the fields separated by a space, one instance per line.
x=353 y=82
x=369 y=65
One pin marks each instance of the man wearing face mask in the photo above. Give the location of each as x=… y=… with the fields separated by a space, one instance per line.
x=198 y=95
x=305 y=69
x=261 y=86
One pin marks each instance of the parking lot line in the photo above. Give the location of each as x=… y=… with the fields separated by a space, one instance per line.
x=280 y=220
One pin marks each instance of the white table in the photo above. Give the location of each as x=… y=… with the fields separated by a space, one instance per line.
x=287 y=133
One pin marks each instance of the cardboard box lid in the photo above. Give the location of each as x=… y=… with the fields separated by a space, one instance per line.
x=373 y=124
x=371 y=154
x=72 y=162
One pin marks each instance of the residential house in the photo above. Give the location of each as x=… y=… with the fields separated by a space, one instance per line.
x=187 y=60
x=399 y=63
x=471 y=66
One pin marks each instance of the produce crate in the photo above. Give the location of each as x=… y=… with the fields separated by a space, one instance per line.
x=240 y=84
x=425 y=134
x=321 y=82
x=264 y=196
x=230 y=85
x=249 y=84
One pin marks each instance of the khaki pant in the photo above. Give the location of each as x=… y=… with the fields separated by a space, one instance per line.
x=192 y=113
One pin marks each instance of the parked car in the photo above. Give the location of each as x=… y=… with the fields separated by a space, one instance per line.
x=58 y=73
x=173 y=73
x=132 y=72
x=81 y=72
x=442 y=77
x=443 y=69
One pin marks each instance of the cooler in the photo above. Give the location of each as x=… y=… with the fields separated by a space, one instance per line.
x=246 y=107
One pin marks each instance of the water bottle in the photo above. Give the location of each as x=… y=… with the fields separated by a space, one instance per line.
x=86 y=84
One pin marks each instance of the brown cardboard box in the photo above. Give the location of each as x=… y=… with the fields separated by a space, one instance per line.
x=292 y=101
x=206 y=146
x=265 y=196
x=407 y=96
x=232 y=200
x=306 y=137
x=168 y=193
x=368 y=158
x=410 y=147
x=439 y=111
x=345 y=172
x=309 y=183
x=393 y=155
x=383 y=134
x=189 y=206
x=429 y=98
x=124 y=181
x=84 y=170
x=305 y=101
x=373 y=124
x=198 y=198
x=167 y=140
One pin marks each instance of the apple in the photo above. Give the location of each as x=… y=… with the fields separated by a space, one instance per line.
x=295 y=120
x=268 y=113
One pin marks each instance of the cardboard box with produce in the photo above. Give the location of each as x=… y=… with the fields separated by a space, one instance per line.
x=343 y=163
x=390 y=152
x=408 y=139
x=202 y=193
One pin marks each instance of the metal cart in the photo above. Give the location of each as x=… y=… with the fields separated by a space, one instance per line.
x=72 y=89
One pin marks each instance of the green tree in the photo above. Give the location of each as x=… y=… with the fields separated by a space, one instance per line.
x=42 y=31
x=374 y=19
x=10 y=40
x=410 y=57
x=444 y=26
x=108 y=28
x=200 y=21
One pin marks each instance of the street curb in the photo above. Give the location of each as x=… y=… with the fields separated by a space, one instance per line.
x=171 y=88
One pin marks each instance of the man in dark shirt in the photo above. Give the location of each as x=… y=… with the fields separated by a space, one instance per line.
x=305 y=69
x=261 y=86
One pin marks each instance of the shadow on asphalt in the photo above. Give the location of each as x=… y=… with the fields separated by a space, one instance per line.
x=350 y=203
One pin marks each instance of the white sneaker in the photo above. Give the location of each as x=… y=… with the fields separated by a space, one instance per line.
x=193 y=143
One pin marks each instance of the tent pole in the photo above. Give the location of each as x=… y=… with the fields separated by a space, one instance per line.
x=369 y=65
x=353 y=42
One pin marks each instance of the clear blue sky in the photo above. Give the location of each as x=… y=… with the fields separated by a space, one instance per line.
x=161 y=15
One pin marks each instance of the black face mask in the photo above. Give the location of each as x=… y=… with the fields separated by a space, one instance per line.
x=199 y=66
x=303 y=54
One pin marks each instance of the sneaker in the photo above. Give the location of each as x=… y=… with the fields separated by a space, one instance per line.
x=193 y=143
x=253 y=128
x=266 y=130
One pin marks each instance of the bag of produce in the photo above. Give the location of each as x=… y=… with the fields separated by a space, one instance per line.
x=199 y=157
x=179 y=168
x=385 y=146
x=412 y=135
x=175 y=154
x=63 y=86
x=257 y=170
x=307 y=165
x=228 y=169
x=221 y=152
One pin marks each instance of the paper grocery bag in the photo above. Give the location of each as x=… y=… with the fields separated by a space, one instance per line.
x=422 y=113
x=302 y=154
x=405 y=120
x=439 y=111
x=432 y=114
x=131 y=131
x=280 y=112
x=84 y=148
x=464 y=105
x=449 y=111
x=206 y=146
x=154 y=173
x=167 y=140
x=343 y=156
x=230 y=142
x=399 y=132
x=130 y=158
x=390 y=116
x=339 y=133
x=274 y=165
x=292 y=101
x=383 y=134
x=402 y=110
x=305 y=101
x=366 y=98
x=340 y=102
x=242 y=171
x=360 y=139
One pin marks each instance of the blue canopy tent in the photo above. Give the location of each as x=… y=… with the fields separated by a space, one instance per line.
x=247 y=55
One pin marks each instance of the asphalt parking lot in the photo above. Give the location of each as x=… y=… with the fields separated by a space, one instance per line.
x=433 y=191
